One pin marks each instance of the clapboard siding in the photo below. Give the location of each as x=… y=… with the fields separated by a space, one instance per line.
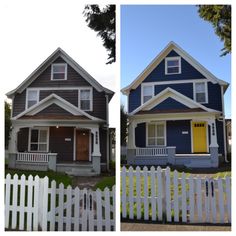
x=214 y=97
x=103 y=144
x=134 y=98
x=22 y=140
x=187 y=72
x=19 y=103
x=220 y=136
x=69 y=95
x=53 y=110
x=57 y=143
x=73 y=78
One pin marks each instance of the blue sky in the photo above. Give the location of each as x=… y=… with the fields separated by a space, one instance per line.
x=147 y=29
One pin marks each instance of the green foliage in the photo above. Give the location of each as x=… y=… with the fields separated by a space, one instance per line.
x=106 y=182
x=103 y=21
x=7 y=123
x=123 y=126
x=220 y=17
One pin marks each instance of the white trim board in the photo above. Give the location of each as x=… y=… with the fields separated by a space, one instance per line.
x=169 y=92
x=157 y=60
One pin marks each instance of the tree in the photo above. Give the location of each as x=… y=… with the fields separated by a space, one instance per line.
x=220 y=17
x=7 y=123
x=123 y=125
x=103 y=21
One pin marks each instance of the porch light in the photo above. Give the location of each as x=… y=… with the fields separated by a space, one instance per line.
x=57 y=126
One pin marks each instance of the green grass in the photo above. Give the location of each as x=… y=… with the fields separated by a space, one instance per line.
x=58 y=177
x=222 y=174
x=106 y=182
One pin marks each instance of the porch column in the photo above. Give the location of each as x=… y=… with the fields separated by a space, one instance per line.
x=13 y=140
x=96 y=155
x=212 y=124
x=131 y=135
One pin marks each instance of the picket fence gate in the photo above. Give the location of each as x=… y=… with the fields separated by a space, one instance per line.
x=32 y=205
x=159 y=195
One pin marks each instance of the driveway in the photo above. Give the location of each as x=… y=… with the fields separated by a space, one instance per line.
x=171 y=227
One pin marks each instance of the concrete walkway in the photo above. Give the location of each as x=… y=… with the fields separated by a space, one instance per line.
x=171 y=227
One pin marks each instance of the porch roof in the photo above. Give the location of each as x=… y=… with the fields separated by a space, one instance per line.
x=171 y=111
x=54 y=117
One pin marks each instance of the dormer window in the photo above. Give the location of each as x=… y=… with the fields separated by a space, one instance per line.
x=59 y=71
x=147 y=92
x=172 y=65
x=32 y=97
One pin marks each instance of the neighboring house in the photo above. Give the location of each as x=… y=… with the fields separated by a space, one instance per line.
x=228 y=135
x=176 y=113
x=60 y=119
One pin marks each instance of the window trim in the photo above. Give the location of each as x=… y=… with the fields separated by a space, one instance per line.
x=27 y=96
x=52 y=73
x=142 y=88
x=165 y=133
x=91 y=97
x=29 y=138
x=170 y=59
x=206 y=91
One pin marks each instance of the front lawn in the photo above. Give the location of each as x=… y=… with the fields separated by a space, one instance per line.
x=58 y=177
x=106 y=182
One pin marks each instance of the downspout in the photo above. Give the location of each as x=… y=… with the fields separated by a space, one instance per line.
x=107 y=132
x=224 y=132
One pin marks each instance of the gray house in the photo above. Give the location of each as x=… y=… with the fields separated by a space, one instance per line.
x=60 y=119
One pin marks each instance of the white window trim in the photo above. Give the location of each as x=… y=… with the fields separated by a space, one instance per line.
x=170 y=59
x=142 y=87
x=27 y=95
x=91 y=100
x=59 y=73
x=206 y=92
x=29 y=138
x=155 y=123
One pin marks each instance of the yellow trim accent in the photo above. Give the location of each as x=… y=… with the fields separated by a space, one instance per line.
x=199 y=130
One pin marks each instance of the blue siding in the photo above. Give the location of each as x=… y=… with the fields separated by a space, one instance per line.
x=220 y=136
x=134 y=98
x=176 y=138
x=185 y=89
x=187 y=72
x=140 y=135
x=169 y=104
x=214 y=97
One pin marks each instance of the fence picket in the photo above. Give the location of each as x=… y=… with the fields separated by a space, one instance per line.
x=53 y=206
x=90 y=215
x=84 y=207
x=61 y=207
x=176 y=197
x=221 y=200
x=36 y=201
x=29 y=203
x=131 y=192
x=123 y=198
x=153 y=193
x=7 y=200
x=228 y=197
x=207 y=201
x=138 y=193
x=22 y=203
x=213 y=200
x=146 y=202
x=199 y=198
x=191 y=199
x=107 y=209
x=168 y=196
x=14 y=201
x=77 y=209
x=99 y=210
x=114 y=205
x=159 y=193
x=183 y=198
x=68 y=208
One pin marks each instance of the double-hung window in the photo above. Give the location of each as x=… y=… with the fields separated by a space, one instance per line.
x=172 y=65
x=32 y=98
x=201 y=92
x=156 y=134
x=38 y=140
x=59 y=71
x=85 y=99
x=148 y=92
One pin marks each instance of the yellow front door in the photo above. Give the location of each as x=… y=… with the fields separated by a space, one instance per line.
x=199 y=130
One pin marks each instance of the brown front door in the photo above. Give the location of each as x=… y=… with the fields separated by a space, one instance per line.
x=82 y=145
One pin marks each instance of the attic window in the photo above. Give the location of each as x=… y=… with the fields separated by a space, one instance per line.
x=172 y=65
x=147 y=92
x=59 y=71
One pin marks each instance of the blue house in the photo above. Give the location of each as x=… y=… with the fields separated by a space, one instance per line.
x=176 y=113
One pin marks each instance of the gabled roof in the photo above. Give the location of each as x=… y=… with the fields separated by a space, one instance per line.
x=54 y=99
x=157 y=60
x=59 y=53
x=171 y=93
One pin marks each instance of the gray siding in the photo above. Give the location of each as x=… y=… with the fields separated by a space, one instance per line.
x=54 y=110
x=19 y=103
x=103 y=145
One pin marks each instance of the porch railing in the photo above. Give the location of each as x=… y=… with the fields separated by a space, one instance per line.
x=32 y=157
x=160 y=151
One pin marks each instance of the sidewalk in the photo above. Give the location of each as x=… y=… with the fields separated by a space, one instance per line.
x=171 y=227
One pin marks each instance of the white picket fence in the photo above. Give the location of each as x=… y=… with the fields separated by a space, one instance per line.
x=159 y=195
x=32 y=205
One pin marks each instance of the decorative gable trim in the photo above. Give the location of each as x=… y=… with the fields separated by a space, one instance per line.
x=161 y=56
x=54 y=99
x=171 y=93
x=58 y=53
